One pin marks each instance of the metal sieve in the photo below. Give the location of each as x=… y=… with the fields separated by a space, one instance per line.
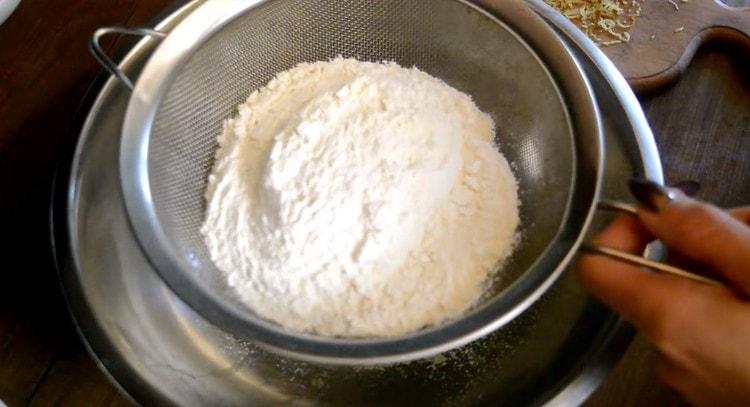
x=499 y=52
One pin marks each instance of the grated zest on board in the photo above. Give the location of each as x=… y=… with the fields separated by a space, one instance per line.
x=607 y=22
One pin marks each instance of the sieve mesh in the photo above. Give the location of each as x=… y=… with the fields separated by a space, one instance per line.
x=445 y=38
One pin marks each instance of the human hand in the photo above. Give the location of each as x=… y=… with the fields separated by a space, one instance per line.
x=701 y=332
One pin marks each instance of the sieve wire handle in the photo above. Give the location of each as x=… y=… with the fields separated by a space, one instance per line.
x=638 y=260
x=105 y=60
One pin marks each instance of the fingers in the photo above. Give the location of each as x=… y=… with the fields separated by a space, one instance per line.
x=707 y=362
x=625 y=234
x=619 y=285
x=658 y=304
x=701 y=331
x=706 y=234
x=670 y=374
x=742 y=214
x=680 y=380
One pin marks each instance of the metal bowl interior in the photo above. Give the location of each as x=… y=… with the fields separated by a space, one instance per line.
x=501 y=54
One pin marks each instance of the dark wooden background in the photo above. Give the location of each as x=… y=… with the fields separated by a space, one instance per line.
x=702 y=126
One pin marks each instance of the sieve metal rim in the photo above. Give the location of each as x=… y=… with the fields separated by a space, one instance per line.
x=211 y=17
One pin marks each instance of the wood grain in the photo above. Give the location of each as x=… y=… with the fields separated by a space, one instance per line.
x=702 y=126
x=45 y=68
x=666 y=37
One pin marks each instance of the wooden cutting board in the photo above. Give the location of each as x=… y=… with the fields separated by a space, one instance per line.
x=664 y=39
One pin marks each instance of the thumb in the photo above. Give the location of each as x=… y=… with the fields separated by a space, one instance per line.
x=669 y=310
x=704 y=233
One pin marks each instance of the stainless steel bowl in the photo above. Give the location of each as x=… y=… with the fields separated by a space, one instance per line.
x=161 y=352
x=500 y=52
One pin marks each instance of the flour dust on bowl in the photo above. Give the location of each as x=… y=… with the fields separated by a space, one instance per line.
x=501 y=54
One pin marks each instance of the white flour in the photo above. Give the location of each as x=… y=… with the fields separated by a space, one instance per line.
x=360 y=200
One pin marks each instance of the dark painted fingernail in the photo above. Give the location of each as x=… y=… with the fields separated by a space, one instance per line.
x=689 y=188
x=651 y=195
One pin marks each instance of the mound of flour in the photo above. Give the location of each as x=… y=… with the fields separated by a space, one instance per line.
x=360 y=200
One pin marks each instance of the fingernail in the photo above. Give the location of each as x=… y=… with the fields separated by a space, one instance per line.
x=689 y=188
x=651 y=195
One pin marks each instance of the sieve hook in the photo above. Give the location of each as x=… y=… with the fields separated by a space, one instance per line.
x=638 y=260
x=104 y=59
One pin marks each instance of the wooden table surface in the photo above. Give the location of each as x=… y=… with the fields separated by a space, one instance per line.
x=702 y=127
